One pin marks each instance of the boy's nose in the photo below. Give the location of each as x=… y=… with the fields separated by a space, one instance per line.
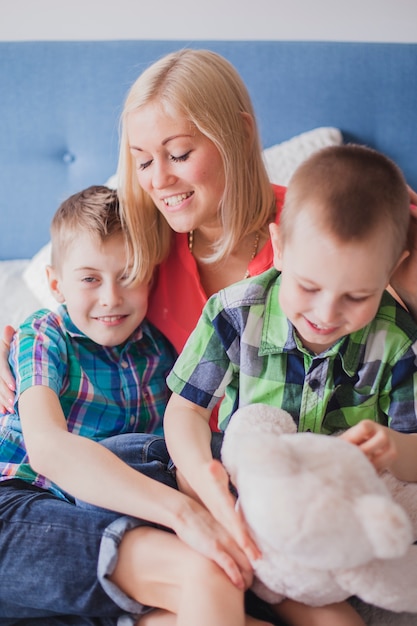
x=110 y=295
x=328 y=311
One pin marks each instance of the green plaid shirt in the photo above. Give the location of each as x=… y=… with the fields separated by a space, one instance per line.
x=244 y=348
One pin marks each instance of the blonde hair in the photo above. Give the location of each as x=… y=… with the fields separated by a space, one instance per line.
x=95 y=211
x=206 y=89
x=354 y=190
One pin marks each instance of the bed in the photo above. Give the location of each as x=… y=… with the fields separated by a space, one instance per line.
x=59 y=109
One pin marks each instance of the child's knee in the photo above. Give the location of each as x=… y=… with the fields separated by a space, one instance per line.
x=201 y=570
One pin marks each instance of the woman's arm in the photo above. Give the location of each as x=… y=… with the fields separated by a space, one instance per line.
x=7 y=382
x=92 y=473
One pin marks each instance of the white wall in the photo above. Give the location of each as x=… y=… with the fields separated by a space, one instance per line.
x=340 y=20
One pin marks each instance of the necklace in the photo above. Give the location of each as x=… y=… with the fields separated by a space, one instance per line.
x=254 y=251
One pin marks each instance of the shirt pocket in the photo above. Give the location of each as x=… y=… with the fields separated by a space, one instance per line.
x=348 y=406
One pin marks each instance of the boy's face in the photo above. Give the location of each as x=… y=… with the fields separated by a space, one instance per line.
x=90 y=282
x=329 y=289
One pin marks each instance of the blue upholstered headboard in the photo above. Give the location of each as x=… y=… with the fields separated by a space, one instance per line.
x=60 y=103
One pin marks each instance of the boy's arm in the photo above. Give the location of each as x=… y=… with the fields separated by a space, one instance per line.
x=90 y=472
x=188 y=437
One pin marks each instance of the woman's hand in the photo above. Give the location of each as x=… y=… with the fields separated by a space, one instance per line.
x=7 y=382
x=375 y=441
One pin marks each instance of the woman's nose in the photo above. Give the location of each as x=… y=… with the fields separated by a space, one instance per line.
x=162 y=175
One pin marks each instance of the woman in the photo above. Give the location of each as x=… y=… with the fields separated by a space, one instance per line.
x=199 y=171
x=190 y=158
x=184 y=170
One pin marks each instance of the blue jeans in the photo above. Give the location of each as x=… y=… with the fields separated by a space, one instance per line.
x=55 y=555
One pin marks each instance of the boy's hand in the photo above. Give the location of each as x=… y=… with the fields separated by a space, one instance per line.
x=222 y=505
x=197 y=528
x=375 y=441
x=7 y=382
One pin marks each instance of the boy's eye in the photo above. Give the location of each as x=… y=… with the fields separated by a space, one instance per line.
x=88 y=279
x=356 y=298
x=308 y=289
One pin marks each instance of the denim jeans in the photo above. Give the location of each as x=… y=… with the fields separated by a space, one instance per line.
x=56 y=555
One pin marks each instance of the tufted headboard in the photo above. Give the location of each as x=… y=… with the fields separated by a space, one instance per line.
x=60 y=103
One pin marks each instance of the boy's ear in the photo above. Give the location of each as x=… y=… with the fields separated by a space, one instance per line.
x=403 y=256
x=275 y=234
x=53 y=282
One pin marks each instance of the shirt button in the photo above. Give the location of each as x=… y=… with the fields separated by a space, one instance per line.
x=132 y=419
x=314 y=384
x=124 y=364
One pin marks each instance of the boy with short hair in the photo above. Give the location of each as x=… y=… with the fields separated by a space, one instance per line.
x=317 y=336
x=94 y=373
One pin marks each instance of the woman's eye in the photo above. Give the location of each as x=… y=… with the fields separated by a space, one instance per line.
x=178 y=159
x=143 y=166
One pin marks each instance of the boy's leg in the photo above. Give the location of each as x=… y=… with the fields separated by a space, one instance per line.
x=337 y=614
x=164 y=618
x=49 y=551
x=157 y=569
x=146 y=453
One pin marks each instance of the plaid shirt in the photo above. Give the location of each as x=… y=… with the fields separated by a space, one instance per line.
x=104 y=391
x=246 y=349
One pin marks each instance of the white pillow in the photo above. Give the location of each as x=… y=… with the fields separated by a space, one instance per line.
x=35 y=277
x=17 y=300
x=281 y=161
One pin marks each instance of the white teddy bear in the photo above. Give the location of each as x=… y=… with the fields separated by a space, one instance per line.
x=325 y=521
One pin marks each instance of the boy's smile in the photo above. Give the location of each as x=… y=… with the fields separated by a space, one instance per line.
x=329 y=288
x=91 y=283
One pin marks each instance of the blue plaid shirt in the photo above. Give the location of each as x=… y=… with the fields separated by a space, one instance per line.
x=244 y=348
x=104 y=391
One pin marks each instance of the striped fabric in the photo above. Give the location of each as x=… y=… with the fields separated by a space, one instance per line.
x=245 y=348
x=104 y=391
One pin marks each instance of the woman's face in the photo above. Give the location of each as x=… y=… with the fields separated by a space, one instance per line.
x=178 y=166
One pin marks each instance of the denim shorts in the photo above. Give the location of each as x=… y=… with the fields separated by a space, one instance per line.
x=56 y=555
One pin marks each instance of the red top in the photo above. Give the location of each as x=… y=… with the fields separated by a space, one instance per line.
x=177 y=297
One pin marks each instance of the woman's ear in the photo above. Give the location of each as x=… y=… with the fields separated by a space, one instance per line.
x=275 y=234
x=53 y=282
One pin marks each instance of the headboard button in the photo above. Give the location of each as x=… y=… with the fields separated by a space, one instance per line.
x=68 y=157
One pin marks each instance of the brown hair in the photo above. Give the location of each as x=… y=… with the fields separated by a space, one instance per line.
x=354 y=190
x=207 y=90
x=94 y=210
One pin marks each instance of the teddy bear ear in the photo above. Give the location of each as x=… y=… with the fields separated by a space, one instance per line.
x=261 y=418
x=386 y=524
